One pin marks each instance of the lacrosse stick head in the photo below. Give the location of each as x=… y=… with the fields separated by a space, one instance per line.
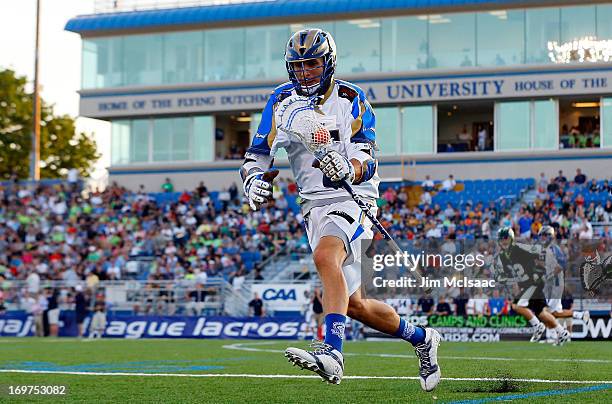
x=297 y=116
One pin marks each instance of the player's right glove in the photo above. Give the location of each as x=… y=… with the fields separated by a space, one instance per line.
x=258 y=187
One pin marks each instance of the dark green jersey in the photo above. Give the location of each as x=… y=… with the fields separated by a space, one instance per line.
x=522 y=264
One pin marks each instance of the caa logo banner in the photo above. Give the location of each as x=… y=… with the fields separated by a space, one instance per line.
x=279 y=296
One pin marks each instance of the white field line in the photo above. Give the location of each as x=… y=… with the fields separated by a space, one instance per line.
x=244 y=347
x=256 y=376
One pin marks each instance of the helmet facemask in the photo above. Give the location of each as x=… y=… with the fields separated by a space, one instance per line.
x=298 y=72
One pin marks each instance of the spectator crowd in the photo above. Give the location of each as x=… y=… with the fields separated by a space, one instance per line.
x=57 y=233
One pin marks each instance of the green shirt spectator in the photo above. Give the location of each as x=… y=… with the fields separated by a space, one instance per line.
x=167 y=186
x=87 y=209
x=23 y=219
x=114 y=240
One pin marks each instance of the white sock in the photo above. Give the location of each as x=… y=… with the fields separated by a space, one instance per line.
x=559 y=329
x=534 y=321
x=577 y=315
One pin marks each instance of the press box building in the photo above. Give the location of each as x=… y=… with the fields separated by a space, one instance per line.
x=184 y=87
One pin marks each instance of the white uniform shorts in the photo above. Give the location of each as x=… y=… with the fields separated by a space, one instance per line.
x=53 y=316
x=346 y=221
x=554 y=305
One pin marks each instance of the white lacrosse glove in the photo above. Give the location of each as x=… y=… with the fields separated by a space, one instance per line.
x=336 y=167
x=258 y=188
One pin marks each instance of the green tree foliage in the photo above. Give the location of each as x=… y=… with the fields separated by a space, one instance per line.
x=62 y=148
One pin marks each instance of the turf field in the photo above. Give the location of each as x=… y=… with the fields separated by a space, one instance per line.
x=118 y=370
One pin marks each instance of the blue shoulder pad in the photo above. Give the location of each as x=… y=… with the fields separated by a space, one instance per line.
x=364 y=123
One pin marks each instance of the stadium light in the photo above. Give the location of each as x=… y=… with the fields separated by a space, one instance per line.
x=585 y=105
x=583 y=50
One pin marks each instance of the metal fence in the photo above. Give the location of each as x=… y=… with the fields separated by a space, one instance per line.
x=183 y=297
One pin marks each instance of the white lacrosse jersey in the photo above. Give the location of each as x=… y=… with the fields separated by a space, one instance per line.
x=555 y=258
x=348 y=116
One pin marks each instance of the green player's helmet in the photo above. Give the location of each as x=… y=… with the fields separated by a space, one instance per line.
x=505 y=237
x=505 y=233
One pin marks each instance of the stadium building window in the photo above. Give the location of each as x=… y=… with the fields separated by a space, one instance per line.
x=358 y=43
x=500 y=50
x=387 y=130
x=452 y=40
x=162 y=139
x=265 y=49
x=577 y=22
x=579 y=122
x=203 y=138
x=604 y=21
x=224 y=51
x=120 y=142
x=418 y=129
x=404 y=44
x=513 y=125
x=181 y=139
x=139 y=141
x=142 y=59
x=102 y=62
x=606 y=113
x=465 y=127
x=542 y=26
x=183 y=57
x=545 y=129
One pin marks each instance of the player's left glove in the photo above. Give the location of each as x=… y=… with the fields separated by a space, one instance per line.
x=336 y=167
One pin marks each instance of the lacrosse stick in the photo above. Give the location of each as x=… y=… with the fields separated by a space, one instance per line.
x=297 y=117
x=593 y=273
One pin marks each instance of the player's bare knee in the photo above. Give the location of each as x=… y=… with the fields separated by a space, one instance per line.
x=329 y=255
x=323 y=257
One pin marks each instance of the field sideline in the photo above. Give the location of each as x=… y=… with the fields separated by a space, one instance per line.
x=255 y=371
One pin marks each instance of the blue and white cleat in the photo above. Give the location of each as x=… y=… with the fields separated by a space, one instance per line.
x=538 y=332
x=562 y=338
x=427 y=352
x=323 y=360
x=586 y=316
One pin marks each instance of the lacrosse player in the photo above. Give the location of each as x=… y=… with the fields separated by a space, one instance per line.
x=523 y=267
x=555 y=261
x=334 y=222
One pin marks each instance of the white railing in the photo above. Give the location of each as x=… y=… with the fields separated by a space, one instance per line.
x=113 y=6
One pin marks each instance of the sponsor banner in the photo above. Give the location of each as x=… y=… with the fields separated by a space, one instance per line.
x=282 y=296
x=502 y=328
x=598 y=328
x=450 y=87
x=452 y=328
x=21 y=325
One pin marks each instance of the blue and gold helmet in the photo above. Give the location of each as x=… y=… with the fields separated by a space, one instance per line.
x=547 y=234
x=309 y=44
